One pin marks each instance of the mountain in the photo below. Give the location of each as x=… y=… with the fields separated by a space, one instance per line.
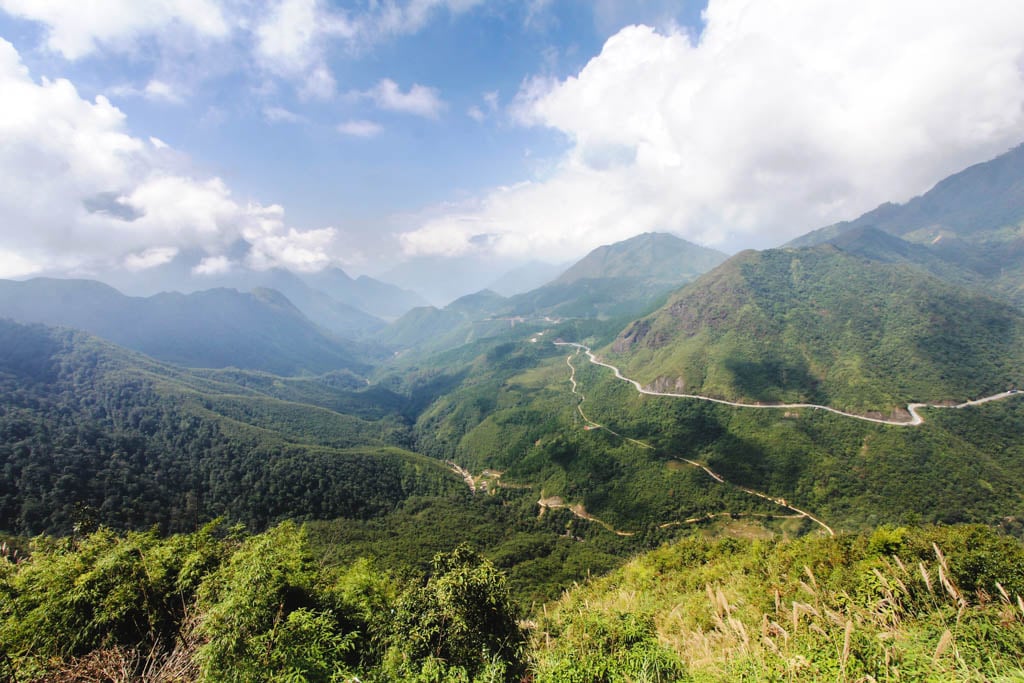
x=429 y=329
x=212 y=328
x=442 y=279
x=348 y=307
x=829 y=327
x=337 y=315
x=525 y=278
x=619 y=279
x=381 y=299
x=652 y=256
x=615 y=281
x=973 y=220
x=91 y=429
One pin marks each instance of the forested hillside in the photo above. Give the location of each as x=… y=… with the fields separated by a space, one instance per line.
x=825 y=326
x=94 y=434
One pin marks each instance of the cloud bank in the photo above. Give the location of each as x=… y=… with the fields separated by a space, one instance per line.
x=79 y=193
x=783 y=116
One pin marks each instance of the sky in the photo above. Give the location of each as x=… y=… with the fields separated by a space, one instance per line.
x=375 y=134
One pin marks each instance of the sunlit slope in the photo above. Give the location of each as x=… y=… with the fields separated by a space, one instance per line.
x=829 y=327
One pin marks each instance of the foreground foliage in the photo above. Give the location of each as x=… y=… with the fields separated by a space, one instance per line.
x=934 y=604
x=931 y=603
x=217 y=605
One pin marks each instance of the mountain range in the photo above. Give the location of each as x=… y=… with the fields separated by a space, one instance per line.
x=613 y=281
x=475 y=422
x=212 y=328
x=971 y=222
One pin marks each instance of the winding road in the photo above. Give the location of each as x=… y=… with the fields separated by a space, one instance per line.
x=915 y=417
x=781 y=502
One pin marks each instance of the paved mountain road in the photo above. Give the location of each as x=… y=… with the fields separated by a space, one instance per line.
x=915 y=417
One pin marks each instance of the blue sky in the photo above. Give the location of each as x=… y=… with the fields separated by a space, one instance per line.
x=363 y=134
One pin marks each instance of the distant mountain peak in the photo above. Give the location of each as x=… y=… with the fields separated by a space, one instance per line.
x=649 y=256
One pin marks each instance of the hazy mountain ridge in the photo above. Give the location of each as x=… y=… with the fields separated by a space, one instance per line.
x=654 y=256
x=347 y=306
x=212 y=328
x=972 y=220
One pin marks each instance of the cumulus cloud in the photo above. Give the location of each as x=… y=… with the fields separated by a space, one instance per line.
x=392 y=18
x=287 y=39
x=783 y=116
x=419 y=100
x=78 y=192
x=155 y=90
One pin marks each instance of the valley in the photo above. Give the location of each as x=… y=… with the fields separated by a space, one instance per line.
x=829 y=410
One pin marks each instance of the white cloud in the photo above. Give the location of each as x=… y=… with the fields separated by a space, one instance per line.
x=419 y=100
x=392 y=18
x=360 y=128
x=291 y=40
x=490 y=106
x=159 y=90
x=213 y=265
x=76 y=28
x=150 y=258
x=282 y=115
x=14 y=264
x=78 y=192
x=786 y=115
x=284 y=39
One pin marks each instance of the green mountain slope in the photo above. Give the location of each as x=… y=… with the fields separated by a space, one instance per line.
x=213 y=328
x=138 y=442
x=619 y=279
x=652 y=256
x=510 y=408
x=428 y=330
x=973 y=220
x=825 y=326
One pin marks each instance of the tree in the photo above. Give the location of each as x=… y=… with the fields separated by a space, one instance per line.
x=460 y=625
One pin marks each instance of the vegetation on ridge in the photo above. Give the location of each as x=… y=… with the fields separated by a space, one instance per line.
x=822 y=326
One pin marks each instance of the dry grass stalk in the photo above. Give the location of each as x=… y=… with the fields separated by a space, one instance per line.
x=845 y=656
x=1002 y=592
x=926 y=577
x=1020 y=604
x=944 y=642
x=950 y=588
x=810 y=575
